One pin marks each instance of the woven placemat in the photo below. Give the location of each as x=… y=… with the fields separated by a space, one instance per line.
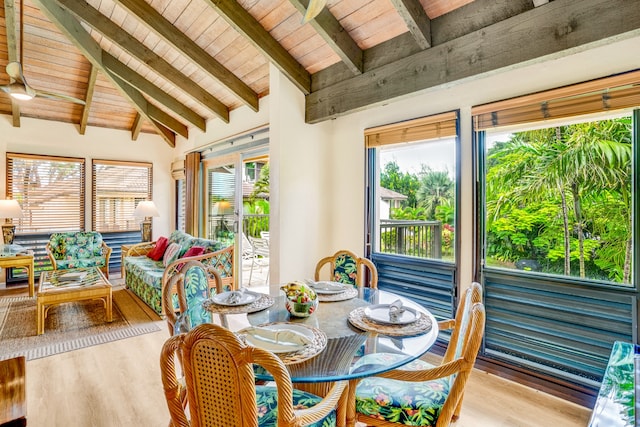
x=358 y=319
x=318 y=343
x=348 y=293
x=265 y=301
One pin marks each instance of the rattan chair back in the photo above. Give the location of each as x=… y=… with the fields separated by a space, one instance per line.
x=361 y=271
x=220 y=382
x=191 y=271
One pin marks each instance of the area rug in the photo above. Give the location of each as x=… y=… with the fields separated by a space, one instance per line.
x=69 y=326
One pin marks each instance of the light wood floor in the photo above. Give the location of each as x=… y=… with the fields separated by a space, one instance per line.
x=118 y=384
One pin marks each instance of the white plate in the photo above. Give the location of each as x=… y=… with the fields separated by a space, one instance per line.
x=380 y=313
x=245 y=298
x=274 y=346
x=328 y=288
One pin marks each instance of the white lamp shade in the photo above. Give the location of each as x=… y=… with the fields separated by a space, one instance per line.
x=10 y=209
x=146 y=209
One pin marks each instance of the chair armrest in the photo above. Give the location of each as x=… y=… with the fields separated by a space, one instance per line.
x=140 y=249
x=50 y=255
x=106 y=251
x=440 y=371
x=444 y=325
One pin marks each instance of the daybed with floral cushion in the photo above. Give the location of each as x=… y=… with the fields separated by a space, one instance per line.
x=146 y=276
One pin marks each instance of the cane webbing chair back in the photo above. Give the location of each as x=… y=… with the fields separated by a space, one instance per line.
x=348 y=268
x=220 y=382
x=460 y=323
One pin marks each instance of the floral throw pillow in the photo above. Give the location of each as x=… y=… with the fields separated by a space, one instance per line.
x=171 y=254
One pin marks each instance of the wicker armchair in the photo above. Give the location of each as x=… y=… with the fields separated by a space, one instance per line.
x=220 y=385
x=78 y=249
x=347 y=267
x=194 y=283
x=440 y=388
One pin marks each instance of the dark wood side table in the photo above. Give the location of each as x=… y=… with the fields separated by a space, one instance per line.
x=13 y=402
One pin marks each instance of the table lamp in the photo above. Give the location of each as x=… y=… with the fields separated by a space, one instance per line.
x=9 y=209
x=146 y=209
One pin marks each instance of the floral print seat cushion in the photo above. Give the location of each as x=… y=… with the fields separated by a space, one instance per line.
x=403 y=402
x=77 y=249
x=267 y=400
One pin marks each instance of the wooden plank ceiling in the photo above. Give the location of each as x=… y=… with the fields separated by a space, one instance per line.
x=172 y=66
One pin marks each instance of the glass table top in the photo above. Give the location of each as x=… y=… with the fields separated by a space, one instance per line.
x=345 y=345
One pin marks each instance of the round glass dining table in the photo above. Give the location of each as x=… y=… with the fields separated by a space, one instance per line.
x=345 y=344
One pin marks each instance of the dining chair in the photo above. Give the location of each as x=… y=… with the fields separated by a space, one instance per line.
x=260 y=255
x=346 y=267
x=419 y=393
x=220 y=385
x=187 y=289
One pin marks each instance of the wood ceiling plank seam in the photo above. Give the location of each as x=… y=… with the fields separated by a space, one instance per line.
x=71 y=27
x=436 y=8
x=259 y=9
x=88 y=99
x=416 y=20
x=137 y=50
x=137 y=81
x=488 y=49
x=344 y=8
x=174 y=9
x=368 y=15
x=227 y=38
x=327 y=26
x=248 y=26
x=163 y=28
x=188 y=16
x=210 y=36
x=281 y=20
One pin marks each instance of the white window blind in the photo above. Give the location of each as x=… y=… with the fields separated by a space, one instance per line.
x=50 y=190
x=117 y=188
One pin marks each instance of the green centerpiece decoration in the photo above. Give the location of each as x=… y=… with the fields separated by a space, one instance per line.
x=301 y=300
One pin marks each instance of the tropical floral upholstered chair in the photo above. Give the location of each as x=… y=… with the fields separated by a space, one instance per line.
x=78 y=249
x=346 y=267
x=221 y=390
x=419 y=394
x=186 y=289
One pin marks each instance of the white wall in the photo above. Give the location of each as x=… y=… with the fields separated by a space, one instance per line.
x=60 y=139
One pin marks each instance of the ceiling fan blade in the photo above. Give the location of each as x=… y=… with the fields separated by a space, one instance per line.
x=58 y=96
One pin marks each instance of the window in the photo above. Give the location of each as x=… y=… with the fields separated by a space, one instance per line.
x=50 y=191
x=117 y=188
x=415 y=187
x=181 y=199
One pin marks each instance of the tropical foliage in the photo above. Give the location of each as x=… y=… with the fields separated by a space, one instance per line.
x=429 y=208
x=558 y=200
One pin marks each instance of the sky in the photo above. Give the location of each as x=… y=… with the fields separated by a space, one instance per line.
x=440 y=155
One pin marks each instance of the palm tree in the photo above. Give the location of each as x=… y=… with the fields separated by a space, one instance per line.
x=436 y=188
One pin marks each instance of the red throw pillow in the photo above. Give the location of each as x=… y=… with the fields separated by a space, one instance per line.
x=192 y=251
x=157 y=252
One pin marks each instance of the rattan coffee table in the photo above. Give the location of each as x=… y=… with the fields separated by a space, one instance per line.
x=52 y=290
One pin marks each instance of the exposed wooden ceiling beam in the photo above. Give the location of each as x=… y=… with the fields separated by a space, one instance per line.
x=88 y=99
x=112 y=32
x=136 y=127
x=249 y=27
x=165 y=29
x=328 y=27
x=74 y=31
x=475 y=16
x=12 y=51
x=153 y=112
x=558 y=28
x=418 y=23
x=137 y=81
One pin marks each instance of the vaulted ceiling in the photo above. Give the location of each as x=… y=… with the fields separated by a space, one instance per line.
x=171 y=66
